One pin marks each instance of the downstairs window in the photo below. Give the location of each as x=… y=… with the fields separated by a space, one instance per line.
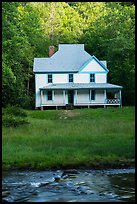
x=49 y=95
x=93 y=95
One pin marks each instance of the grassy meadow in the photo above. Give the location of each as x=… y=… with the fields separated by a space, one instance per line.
x=95 y=138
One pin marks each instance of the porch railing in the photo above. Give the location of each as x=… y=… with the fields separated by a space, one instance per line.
x=107 y=101
x=113 y=101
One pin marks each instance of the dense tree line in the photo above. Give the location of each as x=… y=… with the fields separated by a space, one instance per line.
x=29 y=28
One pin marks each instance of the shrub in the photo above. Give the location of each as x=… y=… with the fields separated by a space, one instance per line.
x=27 y=102
x=13 y=116
x=12 y=121
x=15 y=111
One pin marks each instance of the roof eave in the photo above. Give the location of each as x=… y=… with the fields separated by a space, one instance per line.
x=101 y=64
x=44 y=72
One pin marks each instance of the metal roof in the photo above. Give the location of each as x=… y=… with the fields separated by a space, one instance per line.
x=69 y=58
x=81 y=86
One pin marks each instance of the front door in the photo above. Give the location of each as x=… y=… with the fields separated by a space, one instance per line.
x=70 y=97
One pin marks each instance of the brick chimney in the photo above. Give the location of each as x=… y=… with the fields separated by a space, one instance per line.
x=51 y=50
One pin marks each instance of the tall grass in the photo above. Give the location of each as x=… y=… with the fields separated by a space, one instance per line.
x=60 y=138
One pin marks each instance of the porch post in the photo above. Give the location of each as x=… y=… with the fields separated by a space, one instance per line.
x=105 y=97
x=76 y=92
x=41 y=95
x=120 y=98
x=64 y=97
x=53 y=96
x=89 y=95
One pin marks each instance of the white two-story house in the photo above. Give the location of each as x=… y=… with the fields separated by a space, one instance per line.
x=72 y=76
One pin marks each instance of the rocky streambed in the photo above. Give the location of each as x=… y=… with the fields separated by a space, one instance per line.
x=69 y=185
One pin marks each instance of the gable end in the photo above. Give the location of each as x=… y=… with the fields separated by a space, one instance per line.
x=99 y=62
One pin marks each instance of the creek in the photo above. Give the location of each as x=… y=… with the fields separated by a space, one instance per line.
x=74 y=185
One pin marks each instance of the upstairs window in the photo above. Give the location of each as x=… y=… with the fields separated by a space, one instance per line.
x=49 y=78
x=92 y=77
x=49 y=95
x=93 y=95
x=70 y=77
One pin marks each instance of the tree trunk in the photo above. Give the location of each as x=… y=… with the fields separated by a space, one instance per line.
x=28 y=87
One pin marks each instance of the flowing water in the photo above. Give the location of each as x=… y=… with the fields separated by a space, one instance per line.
x=69 y=186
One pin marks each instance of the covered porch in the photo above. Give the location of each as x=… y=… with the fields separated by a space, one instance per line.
x=80 y=95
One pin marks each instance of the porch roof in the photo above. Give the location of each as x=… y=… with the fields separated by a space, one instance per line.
x=81 y=86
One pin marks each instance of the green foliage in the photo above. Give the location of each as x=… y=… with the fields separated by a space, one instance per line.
x=12 y=121
x=28 y=28
x=113 y=38
x=18 y=52
x=14 y=116
x=15 y=111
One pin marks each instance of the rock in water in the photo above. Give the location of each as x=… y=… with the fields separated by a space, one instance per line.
x=57 y=178
x=69 y=172
x=5 y=193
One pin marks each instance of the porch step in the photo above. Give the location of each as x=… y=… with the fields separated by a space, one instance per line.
x=69 y=106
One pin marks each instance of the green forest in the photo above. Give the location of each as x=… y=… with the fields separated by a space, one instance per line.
x=28 y=29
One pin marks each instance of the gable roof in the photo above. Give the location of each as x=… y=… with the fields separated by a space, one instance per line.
x=99 y=62
x=68 y=58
